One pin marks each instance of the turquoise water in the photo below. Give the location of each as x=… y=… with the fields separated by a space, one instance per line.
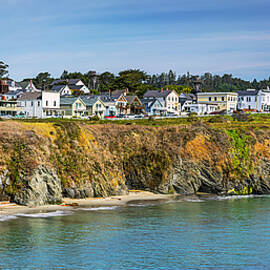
x=190 y=234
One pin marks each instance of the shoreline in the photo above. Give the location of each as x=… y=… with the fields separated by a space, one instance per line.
x=134 y=197
x=7 y=208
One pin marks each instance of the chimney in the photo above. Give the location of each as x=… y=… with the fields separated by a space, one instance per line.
x=167 y=89
x=161 y=90
x=110 y=93
x=31 y=84
x=126 y=91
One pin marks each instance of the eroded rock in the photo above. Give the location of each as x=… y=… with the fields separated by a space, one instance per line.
x=43 y=187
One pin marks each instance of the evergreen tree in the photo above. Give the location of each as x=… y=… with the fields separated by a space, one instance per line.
x=3 y=69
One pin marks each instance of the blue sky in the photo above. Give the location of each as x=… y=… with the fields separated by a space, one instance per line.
x=198 y=36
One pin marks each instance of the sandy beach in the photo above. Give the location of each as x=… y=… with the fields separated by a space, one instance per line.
x=7 y=208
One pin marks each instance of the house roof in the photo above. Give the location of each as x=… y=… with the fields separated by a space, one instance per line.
x=216 y=93
x=73 y=81
x=68 y=100
x=12 y=93
x=58 y=88
x=248 y=93
x=75 y=87
x=118 y=92
x=157 y=93
x=23 y=84
x=188 y=96
x=30 y=96
x=105 y=98
x=90 y=100
x=130 y=99
x=68 y=81
x=150 y=103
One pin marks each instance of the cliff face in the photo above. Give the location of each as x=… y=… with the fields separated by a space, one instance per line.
x=42 y=162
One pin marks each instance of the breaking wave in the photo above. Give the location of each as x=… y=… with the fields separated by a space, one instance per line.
x=46 y=215
x=105 y=208
x=6 y=218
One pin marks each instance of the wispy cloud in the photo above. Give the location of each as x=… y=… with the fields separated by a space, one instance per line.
x=155 y=35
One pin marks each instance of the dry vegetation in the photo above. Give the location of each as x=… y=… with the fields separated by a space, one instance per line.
x=110 y=155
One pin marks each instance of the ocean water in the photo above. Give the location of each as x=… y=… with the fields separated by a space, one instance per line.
x=191 y=233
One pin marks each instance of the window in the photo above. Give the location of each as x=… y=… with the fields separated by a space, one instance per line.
x=215 y=98
x=222 y=98
x=54 y=103
x=38 y=103
x=32 y=103
x=210 y=99
x=47 y=103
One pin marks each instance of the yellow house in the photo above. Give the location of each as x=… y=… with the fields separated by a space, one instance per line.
x=72 y=107
x=225 y=100
x=94 y=106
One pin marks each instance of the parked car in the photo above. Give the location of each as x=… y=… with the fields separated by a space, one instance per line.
x=139 y=116
x=130 y=116
x=110 y=117
x=121 y=116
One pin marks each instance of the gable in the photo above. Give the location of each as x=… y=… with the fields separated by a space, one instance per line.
x=121 y=99
x=65 y=90
x=173 y=94
x=136 y=101
x=157 y=103
x=79 y=83
x=79 y=104
x=99 y=102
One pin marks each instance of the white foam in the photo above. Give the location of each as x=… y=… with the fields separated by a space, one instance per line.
x=46 y=215
x=138 y=205
x=233 y=197
x=193 y=200
x=105 y=208
x=5 y=218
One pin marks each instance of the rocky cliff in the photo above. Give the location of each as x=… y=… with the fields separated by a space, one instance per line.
x=42 y=162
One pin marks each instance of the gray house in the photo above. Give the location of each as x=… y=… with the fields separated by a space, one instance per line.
x=153 y=107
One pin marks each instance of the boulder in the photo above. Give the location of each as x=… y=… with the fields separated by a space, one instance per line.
x=43 y=187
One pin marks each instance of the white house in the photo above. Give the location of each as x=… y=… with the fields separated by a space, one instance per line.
x=73 y=84
x=264 y=100
x=50 y=104
x=186 y=99
x=201 y=109
x=31 y=104
x=168 y=98
x=254 y=100
x=153 y=107
x=248 y=100
x=12 y=95
x=110 y=105
x=226 y=101
x=27 y=86
x=80 y=88
x=61 y=89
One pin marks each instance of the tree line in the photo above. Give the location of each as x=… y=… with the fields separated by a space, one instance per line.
x=138 y=81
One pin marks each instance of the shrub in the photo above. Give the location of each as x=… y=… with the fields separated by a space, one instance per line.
x=240 y=117
x=94 y=118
